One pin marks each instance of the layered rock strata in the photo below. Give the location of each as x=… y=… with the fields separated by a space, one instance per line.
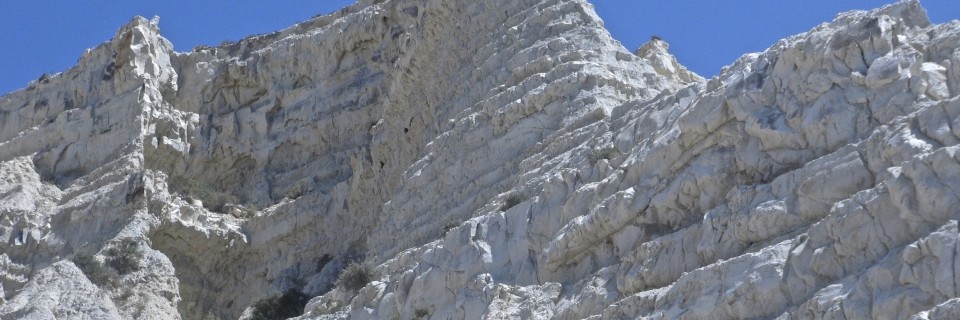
x=492 y=159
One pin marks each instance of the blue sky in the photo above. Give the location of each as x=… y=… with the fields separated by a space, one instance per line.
x=48 y=36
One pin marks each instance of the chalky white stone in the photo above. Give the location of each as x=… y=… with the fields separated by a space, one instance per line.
x=817 y=179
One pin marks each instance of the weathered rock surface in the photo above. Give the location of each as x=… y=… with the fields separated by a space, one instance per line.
x=817 y=179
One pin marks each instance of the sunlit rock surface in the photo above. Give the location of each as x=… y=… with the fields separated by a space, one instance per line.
x=491 y=159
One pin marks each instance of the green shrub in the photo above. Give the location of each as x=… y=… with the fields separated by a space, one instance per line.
x=120 y=259
x=421 y=313
x=657 y=229
x=355 y=276
x=605 y=153
x=124 y=257
x=280 y=306
x=450 y=224
x=511 y=201
x=94 y=270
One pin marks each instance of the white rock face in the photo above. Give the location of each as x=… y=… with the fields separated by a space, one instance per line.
x=492 y=159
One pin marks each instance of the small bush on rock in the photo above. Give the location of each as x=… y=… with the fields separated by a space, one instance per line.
x=511 y=201
x=280 y=306
x=605 y=153
x=355 y=276
x=421 y=313
x=98 y=273
x=124 y=257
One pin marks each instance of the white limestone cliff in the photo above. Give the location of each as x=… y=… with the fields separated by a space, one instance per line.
x=816 y=179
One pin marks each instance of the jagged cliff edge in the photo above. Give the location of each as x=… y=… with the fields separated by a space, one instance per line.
x=816 y=179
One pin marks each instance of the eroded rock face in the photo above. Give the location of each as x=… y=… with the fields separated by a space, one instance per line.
x=492 y=159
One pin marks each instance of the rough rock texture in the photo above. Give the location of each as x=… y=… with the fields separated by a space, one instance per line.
x=492 y=159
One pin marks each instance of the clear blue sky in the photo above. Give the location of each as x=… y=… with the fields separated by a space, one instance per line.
x=48 y=36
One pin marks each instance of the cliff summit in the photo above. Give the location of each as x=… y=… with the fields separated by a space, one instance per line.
x=494 y=159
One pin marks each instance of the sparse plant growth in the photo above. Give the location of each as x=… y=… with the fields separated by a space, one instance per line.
x=212 y=200
x=202 y=47
x=655 y=37
x=124 y=257
x=657 y=229
x=121 y=259
x=260 y=35
x=605 y=153
x=98 y=273
x=280 y=306
x=355 y=276
x=251 y=36
x=450 y=224
x=511 y=201
x=44 y=78
x=295 y=192
x=421 y=313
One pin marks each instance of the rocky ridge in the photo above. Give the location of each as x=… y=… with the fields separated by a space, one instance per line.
x=492 y=159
